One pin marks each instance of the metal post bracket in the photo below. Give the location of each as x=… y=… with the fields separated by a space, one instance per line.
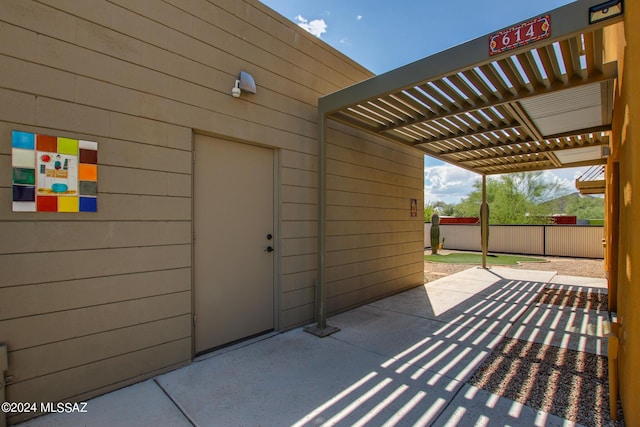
x=321 y=332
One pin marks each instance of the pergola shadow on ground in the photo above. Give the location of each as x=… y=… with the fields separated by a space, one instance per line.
x=498 y=346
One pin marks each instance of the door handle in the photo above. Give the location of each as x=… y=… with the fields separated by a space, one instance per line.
x=269 y=249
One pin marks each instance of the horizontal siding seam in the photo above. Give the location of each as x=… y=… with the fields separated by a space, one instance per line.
x=291 y=273
x=379 y=141
x=379 y=208
x=93 y=221
x=395 y=279
x=390 y=245
x=413 y=284
x=371 y=181
x=295 y=307
x=102 y=331
x=132 y=194
x=310 y=190
x=298 y=254
x=314 y=171
x=298 y=290
x=367 y=260
x=105 y=138
x=290 y=204
x=94 y=248
x=386 y=221
x=386 y=160
x=95 y=277
x=376 y=271
x=337 y=190
x=169 y=196
x=101 y=360
x=100 y=305
x=295 y=272
x=408 y=187
x=147 y=169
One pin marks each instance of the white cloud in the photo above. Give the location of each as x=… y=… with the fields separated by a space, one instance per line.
x=450 y=184
x=447 y=183
x=317 y=27
x=564 y=177
x=358 y=18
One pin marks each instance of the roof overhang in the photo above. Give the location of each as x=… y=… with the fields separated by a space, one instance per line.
x=547 y=104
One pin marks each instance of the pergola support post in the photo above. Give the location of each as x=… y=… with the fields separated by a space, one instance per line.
x=484 y=222
x=321 y=329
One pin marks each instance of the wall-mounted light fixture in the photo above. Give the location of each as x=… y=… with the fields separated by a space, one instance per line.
x=244 y=83
x=606 y=10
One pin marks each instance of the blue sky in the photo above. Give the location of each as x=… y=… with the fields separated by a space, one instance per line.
x=383 y=35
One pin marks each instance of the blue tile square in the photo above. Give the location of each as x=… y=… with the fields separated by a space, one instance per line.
x=88 y=204
x=24 y=140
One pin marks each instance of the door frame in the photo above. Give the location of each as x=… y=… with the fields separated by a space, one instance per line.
x=277 y=259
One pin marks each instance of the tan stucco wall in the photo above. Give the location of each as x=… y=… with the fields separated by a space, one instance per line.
x=626 y=151
x=92 y=302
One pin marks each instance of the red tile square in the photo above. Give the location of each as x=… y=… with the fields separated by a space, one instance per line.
x=47 y=203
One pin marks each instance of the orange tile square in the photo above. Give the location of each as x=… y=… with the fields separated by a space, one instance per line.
x=87 y=172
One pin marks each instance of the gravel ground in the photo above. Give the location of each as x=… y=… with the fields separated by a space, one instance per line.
x=567 y=383
x=570 y=384
x=584 y=267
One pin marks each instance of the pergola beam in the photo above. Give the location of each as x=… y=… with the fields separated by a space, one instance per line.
x=568 y=20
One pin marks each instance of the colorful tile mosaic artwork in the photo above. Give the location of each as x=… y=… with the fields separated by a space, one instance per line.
x=54 y=174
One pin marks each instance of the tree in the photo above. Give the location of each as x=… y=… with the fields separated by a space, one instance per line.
x=428 y=211
x=583 y=207
x=586 y=207
x=514 y=199
x=443 y=208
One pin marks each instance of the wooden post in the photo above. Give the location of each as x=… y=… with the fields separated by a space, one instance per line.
x=484 y=222
x=612 y=353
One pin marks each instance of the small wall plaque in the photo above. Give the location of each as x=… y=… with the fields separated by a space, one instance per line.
x=414 y=208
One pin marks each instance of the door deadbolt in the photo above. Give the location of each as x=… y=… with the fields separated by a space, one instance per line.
x=269 y=236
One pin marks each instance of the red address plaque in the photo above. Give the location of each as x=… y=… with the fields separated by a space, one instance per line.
x=520 y=35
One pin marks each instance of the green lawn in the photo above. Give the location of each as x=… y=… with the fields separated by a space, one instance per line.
x=470 y=258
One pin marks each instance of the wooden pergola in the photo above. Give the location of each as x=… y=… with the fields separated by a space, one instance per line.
x=534 y=96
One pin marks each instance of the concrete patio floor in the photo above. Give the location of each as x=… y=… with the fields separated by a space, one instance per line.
x=404 y=360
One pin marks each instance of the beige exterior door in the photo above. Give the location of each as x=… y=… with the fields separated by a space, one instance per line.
x=234 y=229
